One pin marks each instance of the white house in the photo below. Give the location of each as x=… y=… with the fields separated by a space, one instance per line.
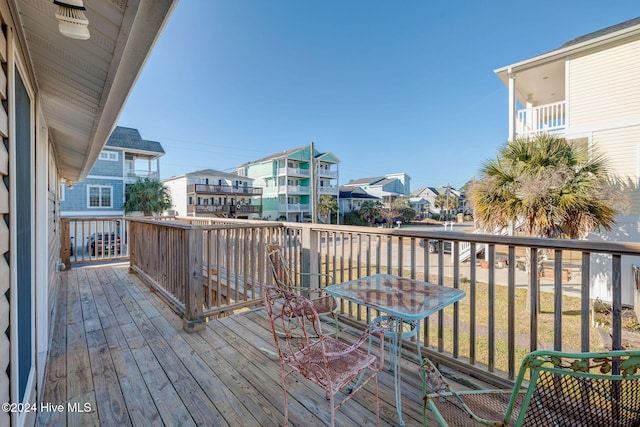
x=212 y=193
x=588 y=92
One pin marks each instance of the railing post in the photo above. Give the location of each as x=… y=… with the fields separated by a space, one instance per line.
x=66 y=242
x=131 y=247
x=193 y=320
x=310 y=258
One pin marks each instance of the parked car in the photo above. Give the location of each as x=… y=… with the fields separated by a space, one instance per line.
x=434 y=245
x=108 y=243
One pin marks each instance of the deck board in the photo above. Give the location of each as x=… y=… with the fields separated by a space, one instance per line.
x=117 y=346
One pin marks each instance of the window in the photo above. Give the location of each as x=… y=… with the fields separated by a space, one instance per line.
x=99 y=196
x=111 y=156
x=62 y=192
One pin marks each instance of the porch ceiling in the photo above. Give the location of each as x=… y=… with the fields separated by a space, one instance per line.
x=542 y=84
x=83 y=84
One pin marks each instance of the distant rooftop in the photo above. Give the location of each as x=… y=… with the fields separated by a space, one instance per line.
x=129 y=138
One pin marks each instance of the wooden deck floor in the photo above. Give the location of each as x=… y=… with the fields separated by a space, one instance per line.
x=121 y=351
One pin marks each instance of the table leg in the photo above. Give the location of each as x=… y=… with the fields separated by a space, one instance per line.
x=397 y=373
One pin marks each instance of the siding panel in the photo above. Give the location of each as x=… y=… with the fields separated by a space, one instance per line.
x=604 y=86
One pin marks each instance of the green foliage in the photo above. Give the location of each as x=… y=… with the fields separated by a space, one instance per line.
x=369 y=210
x=352 y=218
x=327 y=205
x=148 y=196
x=556 y=188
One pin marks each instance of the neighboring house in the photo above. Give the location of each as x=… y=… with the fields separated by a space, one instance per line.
x=588 y=92
x=351 y=199
x=287 y=181
x=125 y=158
x=211 y=193
x=428 y=194
x=421 y=206
x=61 y=98
x=386 y=188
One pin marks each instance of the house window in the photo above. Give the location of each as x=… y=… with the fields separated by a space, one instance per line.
x=100 y=196
x=61 y=193
x=111 y=156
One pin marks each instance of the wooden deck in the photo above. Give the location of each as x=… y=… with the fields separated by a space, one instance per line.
x=120 y=353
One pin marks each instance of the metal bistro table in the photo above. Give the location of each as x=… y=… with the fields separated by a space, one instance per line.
x=402 y=298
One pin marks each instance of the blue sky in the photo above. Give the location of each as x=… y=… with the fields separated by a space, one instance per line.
x=387 y=86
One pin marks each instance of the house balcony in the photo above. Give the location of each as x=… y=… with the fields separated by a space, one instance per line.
x=298 y=189
x=542 y=118
x=293 y=172
x=294 y=207
x=223 y=210
x=329 y=189
x=209 y=189
x=327 y=173
x=127 y=346
x=136 y=174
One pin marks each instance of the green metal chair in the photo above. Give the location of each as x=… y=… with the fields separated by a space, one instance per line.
x=564 y=389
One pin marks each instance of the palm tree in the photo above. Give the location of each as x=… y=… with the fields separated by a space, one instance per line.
x=448 y=201
x=148 y=196
x=326 y=205
x=554 y=188
x=369 y=210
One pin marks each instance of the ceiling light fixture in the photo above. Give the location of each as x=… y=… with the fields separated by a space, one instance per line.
x=72 y=22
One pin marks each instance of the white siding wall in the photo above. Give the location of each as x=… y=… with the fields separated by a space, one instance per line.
x=603 y=86
x=621 y=148
x=178 y=189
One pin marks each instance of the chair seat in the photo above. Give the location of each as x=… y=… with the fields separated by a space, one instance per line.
x=490 y=406
x=344 y=368
x=325 y=304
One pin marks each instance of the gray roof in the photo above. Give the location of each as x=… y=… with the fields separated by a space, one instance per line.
x=129 y=138
x=603 y=32
x=214 y=172
x=364 y=181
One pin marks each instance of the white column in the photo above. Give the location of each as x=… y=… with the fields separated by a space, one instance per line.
x=512 y=106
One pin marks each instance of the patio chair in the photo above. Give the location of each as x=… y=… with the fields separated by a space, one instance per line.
x=564 y=389
x=328 y=362
x=324 y=304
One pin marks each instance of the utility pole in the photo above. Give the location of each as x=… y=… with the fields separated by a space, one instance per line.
x=314 y=188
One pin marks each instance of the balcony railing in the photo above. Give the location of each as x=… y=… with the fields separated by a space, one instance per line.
x=223 y=209
x=293 y=172
x=333 y=189
x=484 y=335
x=223 y=189
x=142 y=173
x=543 y=118
x=327 y=173
x=293 y=207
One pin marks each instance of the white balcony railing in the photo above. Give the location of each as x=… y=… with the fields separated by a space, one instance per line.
x=293 y=172
x=293 y=207
x=328 y=173
x=542 y=118
x=332 y=189
x=138 y=173
x=298 y=189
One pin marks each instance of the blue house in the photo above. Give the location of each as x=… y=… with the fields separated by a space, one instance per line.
x=125 y=158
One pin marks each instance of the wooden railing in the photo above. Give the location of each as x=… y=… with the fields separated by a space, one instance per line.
x=209 y=266
x=94 y=239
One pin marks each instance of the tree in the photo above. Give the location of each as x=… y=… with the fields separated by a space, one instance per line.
x=369 y=210
x=327 y=205
x=554 y=188
x=148 y=196
x=399 y=208
x=447 y=201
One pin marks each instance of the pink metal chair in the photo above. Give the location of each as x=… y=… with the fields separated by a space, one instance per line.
x=326 y=361
x=324 y=304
